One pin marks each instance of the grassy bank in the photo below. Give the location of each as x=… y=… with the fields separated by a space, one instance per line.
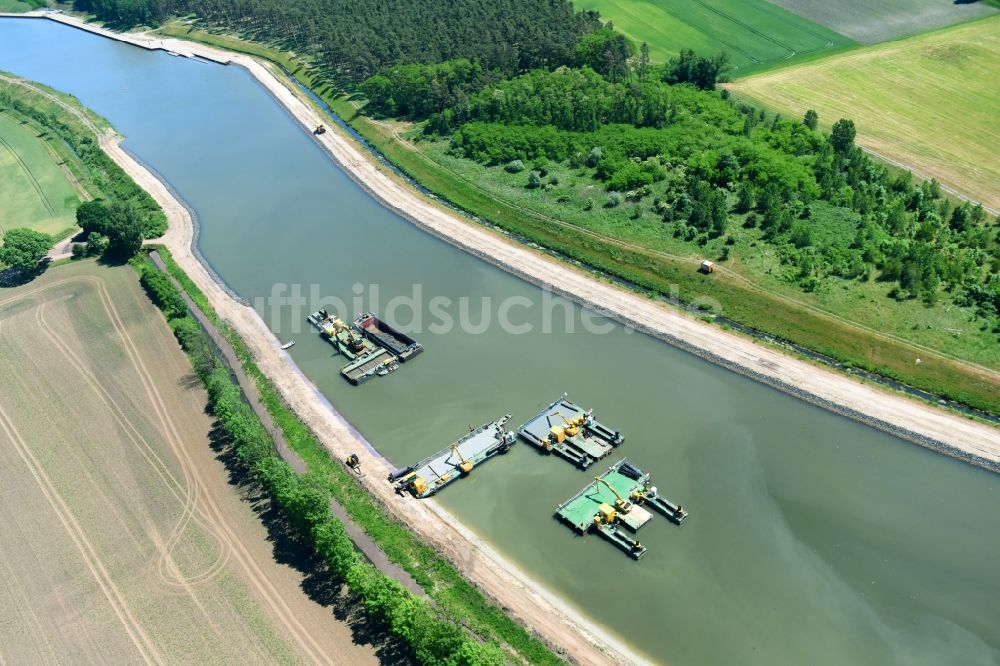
x=19 y=6
x=42 y=179
x=37 y=185
x=459 y=601
x=751 y=304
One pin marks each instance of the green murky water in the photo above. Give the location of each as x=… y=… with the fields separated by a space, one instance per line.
x=812 y=539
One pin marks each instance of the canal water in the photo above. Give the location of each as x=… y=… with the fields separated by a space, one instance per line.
x=812 y=539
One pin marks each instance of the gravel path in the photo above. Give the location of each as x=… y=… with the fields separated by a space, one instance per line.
x=362 y=541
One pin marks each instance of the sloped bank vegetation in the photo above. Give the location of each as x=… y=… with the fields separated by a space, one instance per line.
x=122 y=214
x=456 y=626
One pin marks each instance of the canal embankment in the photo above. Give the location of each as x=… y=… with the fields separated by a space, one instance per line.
x=502 y=582
x=947 y=433
x=288 y=367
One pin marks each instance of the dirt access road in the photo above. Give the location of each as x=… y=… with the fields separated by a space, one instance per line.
x=123 y=539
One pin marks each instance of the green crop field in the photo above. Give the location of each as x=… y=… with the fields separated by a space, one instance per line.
x=871 y=22
x=14 y=6
x=35 y=190
x=757 y=34
x=930 y=102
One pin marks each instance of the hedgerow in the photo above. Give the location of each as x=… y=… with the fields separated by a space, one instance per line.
x=304 y=500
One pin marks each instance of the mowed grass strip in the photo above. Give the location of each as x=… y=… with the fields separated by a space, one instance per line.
x=871 y=22
x=757 y=34
x=929 y=102
x=35 y=191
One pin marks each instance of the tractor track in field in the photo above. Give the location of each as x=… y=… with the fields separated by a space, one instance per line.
x=255 y=575
x=31 y=177
x=143 y=644
x=210 y=515
x=187 y=494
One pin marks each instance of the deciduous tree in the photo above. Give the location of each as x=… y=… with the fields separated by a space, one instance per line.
x=811 y=119
x=842 y=136
x=24 y=248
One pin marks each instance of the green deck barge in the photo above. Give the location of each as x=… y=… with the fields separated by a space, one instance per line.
x=616 y=501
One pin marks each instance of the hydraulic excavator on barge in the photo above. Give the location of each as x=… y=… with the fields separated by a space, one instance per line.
x=617 y=501
x=372 y=348
x=571 y=431
x=434 y=472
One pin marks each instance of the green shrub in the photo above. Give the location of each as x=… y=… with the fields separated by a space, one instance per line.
x=162 y=292
x=514 y=166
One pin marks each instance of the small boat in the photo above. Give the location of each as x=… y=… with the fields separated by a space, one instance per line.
x=288 y=345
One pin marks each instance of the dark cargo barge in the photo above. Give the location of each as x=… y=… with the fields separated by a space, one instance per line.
x=401 y=345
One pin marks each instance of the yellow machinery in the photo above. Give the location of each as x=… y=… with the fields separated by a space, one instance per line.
x=419 y=485
x=606 y=514
x=570 y=428
x=623 y=505
x=333 y=327
x=466 y=465
x=573 y=425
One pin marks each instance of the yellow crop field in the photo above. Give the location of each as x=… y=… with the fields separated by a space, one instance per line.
x=931 y=103
x=122 y=540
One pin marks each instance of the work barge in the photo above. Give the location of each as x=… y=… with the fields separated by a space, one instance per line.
x=372 y=347
x=570 y=431
x=615 y=504
x=434 y=472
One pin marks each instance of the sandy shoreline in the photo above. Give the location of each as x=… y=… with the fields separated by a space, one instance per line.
x=527 y=601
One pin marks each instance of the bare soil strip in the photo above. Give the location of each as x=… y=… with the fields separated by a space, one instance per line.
x=524 y=598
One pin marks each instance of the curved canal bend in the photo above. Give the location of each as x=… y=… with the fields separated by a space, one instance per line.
x=812 y=539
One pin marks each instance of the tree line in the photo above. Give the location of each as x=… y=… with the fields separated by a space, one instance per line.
x=354 y=40
x=701 y=159
x=304 y=501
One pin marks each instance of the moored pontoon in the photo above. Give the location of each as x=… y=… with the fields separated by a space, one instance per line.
x=615 y=502
x=434 y=472
x=571 y=431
